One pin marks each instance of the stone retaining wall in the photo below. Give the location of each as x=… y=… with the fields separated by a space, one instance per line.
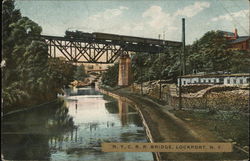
x=218 y=97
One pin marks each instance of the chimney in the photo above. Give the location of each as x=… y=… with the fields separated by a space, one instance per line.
x=235 y=33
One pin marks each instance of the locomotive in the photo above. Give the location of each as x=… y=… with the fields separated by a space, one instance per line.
x=77 y=34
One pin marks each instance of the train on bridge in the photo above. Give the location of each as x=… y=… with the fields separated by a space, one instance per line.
x=102 y=48
x=117 y=38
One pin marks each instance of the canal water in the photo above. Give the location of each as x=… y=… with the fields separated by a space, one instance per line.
x=73 y=129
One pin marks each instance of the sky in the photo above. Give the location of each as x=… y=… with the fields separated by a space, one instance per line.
x=144 y=18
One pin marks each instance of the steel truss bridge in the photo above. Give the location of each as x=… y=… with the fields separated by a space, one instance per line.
x=99 y=51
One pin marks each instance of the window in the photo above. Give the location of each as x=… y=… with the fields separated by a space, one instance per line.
x=228 y=81
x=184 y=82
x=221 y=80
x=209 y=81
x=234 y=81
x=241 y=81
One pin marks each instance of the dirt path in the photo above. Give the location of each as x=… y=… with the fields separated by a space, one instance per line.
x=166 y=127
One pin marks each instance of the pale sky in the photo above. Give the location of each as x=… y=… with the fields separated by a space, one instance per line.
x=145 y=18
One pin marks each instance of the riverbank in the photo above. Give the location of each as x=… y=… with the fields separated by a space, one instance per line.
x=166 y=127
x=24 y=109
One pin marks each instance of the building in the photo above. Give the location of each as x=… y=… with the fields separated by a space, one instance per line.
x=237 y=42
x=212 y=79
x=230 y=35
x=242 y=43
x=95 y=68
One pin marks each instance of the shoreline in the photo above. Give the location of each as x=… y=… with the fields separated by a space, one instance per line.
x=164 y=126
x=28 y=108
x=156 y=155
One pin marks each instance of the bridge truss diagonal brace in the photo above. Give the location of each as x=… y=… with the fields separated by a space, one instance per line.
x=85 y=52
x=81 y=51
x=61 y=49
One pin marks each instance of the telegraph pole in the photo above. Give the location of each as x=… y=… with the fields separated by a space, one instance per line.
x=141 y=79
x=181 y=63
x=183 y=46
x=160 y=71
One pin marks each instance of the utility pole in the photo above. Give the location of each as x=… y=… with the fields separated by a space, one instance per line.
x=160 y=73
x=181 y=64
x=160 y=76
x=141 y=80
x=183 y=46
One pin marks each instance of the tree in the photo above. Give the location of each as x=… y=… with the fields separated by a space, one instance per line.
x=80 y=73
x=110 y=76
x=29 y=77
x=22 y=48
x=239 y=61
x=209 y=53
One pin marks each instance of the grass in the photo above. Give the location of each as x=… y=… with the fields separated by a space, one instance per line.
x=227 y=125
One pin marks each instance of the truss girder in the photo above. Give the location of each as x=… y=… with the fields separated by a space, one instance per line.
x=84 y=52
x=94 y=51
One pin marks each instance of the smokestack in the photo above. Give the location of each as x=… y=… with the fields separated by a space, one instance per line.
x=235 y=33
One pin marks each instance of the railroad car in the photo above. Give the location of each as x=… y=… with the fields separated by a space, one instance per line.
x=173 y=43
x=106 y=36
x=132 y=39
x=154 y=41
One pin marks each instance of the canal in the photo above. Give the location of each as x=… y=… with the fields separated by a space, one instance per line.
x=73 y=128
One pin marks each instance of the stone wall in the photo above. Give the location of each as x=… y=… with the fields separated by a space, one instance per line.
x=218 y=97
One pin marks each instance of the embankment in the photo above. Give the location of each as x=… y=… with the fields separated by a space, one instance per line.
x=217 y=97
x=163 y=126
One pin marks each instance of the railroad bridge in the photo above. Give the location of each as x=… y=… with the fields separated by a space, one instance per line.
x=104 y=48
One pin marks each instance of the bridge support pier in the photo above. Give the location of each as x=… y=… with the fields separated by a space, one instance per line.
x=125 y=71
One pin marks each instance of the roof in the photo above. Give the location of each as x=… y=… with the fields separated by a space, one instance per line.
x=227 y=33
x=240 y=39
x=216 y=75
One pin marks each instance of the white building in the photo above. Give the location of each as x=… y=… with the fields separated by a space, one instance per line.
x=226 y=79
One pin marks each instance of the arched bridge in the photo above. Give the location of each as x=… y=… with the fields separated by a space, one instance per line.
x=101 y=48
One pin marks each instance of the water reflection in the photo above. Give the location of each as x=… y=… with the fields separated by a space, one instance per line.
x=74 y=129
x=27 y=135
x=127 y=113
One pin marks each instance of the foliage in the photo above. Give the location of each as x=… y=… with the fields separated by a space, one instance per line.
x=80 y=73
x=61 y=72
x=239 y=61
x=110 y=77
x=210 y=53
x=28 y=77
x=156 y=66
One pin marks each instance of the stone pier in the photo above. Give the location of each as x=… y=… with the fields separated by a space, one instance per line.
x=125 y=71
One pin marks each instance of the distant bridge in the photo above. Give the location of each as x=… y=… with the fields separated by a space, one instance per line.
x=101 y=48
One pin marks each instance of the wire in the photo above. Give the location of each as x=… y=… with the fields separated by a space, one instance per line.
x=236 y=4
x=232 y=17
